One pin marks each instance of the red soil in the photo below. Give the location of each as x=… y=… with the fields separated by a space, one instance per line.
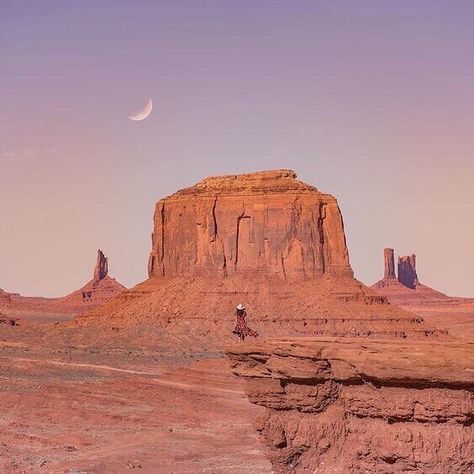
x=72 y=409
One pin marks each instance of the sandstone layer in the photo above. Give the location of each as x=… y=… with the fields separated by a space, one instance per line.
x=363 y=407
x=266 y=240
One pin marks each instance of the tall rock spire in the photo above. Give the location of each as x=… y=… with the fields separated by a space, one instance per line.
x=101 y=267
x=389 y=264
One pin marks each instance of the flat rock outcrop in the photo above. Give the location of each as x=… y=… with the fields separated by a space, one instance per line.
x=345 y=405
x=266 y=240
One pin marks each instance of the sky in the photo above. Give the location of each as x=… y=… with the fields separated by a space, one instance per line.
x=371 y=101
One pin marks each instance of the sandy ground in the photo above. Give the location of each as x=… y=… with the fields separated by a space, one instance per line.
x=458 y=320
x=86 y=410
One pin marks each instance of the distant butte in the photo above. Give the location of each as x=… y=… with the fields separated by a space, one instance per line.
x=95 y=292
x=406 y=289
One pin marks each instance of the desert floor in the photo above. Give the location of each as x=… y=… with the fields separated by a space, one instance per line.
x=78 y=409
x=94 y=400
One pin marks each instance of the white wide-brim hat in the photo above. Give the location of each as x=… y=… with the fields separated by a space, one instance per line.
x=240 y=307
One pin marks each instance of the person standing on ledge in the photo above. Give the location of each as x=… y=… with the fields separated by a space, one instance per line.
x=241 y=328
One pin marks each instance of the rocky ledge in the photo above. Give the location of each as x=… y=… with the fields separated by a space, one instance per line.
x=355 y=406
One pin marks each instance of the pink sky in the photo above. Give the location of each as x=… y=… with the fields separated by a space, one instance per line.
x=370 y=101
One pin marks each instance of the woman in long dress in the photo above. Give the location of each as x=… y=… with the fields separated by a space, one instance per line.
x=241 y=328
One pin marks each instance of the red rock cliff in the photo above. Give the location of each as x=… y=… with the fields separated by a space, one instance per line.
x=362 y=407
x=266 y=223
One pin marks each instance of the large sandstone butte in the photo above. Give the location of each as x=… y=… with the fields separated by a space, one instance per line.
x=94 y=293
x=344 y=406
x=266 y=240
x=266 y=223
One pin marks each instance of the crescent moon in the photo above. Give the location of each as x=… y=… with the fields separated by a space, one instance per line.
x=143 y=113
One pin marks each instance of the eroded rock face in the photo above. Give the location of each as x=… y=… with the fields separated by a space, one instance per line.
x=353 y=406
x=407 y=271
x=101 y=269
x=265 y=223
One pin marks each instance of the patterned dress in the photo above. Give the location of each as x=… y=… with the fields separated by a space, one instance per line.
x=241 y=328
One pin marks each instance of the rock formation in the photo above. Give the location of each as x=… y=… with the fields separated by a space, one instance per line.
x=407 y=271
x=407 y=275
x=389 y=264
x=266 y=240
x=266 y=223
x=362 y=407
x=389 y=275
x=406 y=290
x=94 y=293
x=101 y=269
